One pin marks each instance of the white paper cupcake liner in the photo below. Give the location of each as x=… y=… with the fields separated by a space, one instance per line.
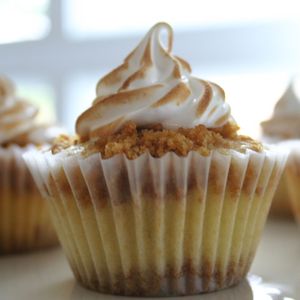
x=292 y=176
x=281 y=204
x=24 y=219
x=159 y=226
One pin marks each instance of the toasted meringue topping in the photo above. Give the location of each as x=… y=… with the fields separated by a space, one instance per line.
x=285 y=122
x=17 y=119
x=153 y=86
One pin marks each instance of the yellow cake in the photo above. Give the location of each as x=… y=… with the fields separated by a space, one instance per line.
x=158 y=195
x=24 y=218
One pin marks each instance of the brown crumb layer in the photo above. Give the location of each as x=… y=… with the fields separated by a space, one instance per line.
x=21 y=144
x=63 y=142
x=21 y=140
x=134 y=141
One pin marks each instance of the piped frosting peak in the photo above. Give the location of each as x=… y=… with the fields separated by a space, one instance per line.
x=17 y=119
x=285 y=122
x=153 y=86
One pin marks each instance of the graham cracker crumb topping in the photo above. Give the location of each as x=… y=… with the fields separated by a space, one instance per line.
x=133 y=141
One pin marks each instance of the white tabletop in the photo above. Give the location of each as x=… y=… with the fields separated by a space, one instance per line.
x=45 y=275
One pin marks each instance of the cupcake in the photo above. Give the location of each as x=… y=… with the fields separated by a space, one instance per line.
x=282 y=127
x=158 y=195
x=24 y=220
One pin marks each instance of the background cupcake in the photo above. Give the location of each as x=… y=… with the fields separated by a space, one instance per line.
x=160 y=195
x=283 y=126
x=24 y=220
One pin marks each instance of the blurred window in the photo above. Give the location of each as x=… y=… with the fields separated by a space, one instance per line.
x=94 y=18
x=41 y=94
x=23 y=20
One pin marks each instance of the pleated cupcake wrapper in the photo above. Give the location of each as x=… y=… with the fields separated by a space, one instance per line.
x=282 y=203
x=159 y=226
x=24 y=220
x=292 y=175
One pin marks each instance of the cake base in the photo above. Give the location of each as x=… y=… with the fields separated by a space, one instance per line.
x=25 y=224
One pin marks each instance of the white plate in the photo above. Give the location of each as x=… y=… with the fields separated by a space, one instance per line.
x=46 y=275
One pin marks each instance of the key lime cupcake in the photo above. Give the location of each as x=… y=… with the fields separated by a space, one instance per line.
x=158 y=195
x=24 y=220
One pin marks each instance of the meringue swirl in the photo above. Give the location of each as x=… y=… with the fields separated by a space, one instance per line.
x=153 y=86
x=17 y=119
x=285 y=122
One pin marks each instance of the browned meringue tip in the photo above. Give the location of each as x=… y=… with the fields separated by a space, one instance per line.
x=184 y=63
x=116 y=101
x=206 y=97
x=220 y=89
x=156 y=28
x=178 y=94
x=169 y=31
x=115 y=75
